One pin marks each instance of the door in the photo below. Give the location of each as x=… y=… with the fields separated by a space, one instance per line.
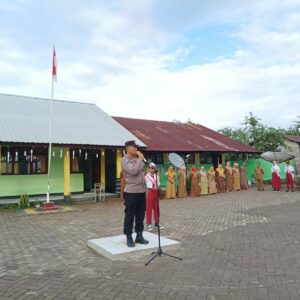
x=88 y=173
x=216 y=159
x=110 y=170
x=91 y=171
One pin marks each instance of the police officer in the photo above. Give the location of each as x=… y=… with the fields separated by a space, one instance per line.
x=134 y=193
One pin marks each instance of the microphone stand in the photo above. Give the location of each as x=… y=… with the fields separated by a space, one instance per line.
x=159 y=251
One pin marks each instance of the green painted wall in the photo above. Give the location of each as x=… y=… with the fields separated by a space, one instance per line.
x=16 y=185
x=251 y=165
x=76 y=183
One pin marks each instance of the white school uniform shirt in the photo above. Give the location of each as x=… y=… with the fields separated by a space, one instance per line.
x=289 y=169
x=151 y=181
x=275 y=169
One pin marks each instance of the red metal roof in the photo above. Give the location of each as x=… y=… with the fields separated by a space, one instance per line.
x=173 y=136
x=293 y=138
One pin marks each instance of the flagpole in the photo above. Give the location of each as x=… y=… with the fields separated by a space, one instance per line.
x=50 y=139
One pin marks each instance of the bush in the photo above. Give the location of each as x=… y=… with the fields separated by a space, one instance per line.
x=9 y=206
x=68 y=200
x=24 y=201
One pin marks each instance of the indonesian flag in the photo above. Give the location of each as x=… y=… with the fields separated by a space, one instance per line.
x=54 y=66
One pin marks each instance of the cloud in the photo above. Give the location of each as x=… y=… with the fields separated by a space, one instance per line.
x=126 y=58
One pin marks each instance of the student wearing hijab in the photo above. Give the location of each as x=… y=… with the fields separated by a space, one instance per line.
x=236 y=177
x=171 y=184
x=203 y=182
x=276 y=183
x=259 y=176
x=182 y=183
x=289 y=176
x=212 y=185
x=194 y=182
x=220 y=178
x=244 y=185
x=229 y=177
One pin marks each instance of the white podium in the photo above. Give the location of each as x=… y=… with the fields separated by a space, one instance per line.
x=115 y=248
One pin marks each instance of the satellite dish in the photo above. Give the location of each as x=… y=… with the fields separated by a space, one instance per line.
x=176 y=160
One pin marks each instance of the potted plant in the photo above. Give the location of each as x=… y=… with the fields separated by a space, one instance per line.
x=24 y=201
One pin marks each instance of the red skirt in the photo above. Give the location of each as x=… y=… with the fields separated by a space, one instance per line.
x=276 y=184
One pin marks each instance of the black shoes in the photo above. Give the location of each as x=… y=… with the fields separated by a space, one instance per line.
x=140 y=239
x=130 y=243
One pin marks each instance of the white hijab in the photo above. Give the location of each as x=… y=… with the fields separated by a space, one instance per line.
x=203 y=171
x=275 y=168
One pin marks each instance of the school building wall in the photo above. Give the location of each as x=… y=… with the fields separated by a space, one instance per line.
x=36 y=184
x=62 y=180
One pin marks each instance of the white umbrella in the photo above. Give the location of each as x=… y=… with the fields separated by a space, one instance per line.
x=176 y=160
x=277 y=156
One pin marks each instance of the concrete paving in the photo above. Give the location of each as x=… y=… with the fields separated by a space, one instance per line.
x=238 y=245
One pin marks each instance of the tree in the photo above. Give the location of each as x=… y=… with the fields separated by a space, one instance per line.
x=256 y=134
x=294 y=129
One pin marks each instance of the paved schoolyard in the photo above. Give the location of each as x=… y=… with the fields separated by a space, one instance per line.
x=243 y=245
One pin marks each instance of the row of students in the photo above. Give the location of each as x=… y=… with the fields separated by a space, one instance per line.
x=204 y=183
x=220 y=180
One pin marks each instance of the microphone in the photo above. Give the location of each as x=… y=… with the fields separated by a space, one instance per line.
x=144 y=160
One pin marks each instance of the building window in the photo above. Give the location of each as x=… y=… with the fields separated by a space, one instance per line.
x=206 y=158
x=76 y=158
x=79 y=158
x=156 y=157
x=23 y=160
x=191 y=158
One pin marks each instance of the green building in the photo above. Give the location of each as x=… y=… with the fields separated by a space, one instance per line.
x=87 y=147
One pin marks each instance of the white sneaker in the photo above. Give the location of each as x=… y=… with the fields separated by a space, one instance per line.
x=160 y=227
x=149 y=228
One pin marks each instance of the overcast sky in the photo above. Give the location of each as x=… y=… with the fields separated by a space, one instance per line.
x=208 y=61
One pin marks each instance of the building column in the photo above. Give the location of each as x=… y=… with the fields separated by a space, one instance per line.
x=223 y=158
x=102 y=171
x=166 y=157
x=118 y=163
x=197 y=158
x=67 y=172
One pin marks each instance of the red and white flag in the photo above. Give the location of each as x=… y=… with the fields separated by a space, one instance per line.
x=54 y=66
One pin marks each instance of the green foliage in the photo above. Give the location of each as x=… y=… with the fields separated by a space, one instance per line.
x=258 y=135
x=68 y=200
x=9 y=206
x=24 y=201
x=36 y=203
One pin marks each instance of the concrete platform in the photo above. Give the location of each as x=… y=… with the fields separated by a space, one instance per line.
x=115 y=248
